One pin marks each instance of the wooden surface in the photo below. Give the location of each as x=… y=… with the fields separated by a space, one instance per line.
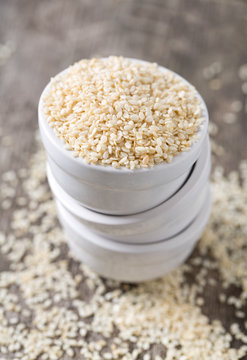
x=186 y=36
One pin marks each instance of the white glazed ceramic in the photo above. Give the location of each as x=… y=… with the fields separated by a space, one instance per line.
x=118 y=191
x=131 y=274
x=153 y=225
x=153 y=234
x=132 y=263
x=150 y=253
x=115 y=201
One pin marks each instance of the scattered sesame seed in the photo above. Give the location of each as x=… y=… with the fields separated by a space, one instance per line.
x=242 y=72
x=212 y=70
x=13 y=320
x=9 y=176
x=222 y=298
x=147 y=357
x=212 y=128
x=63 y=322
x=236 y=106
x=6 y=204
x=216 y=149
x=240 y=314
x=230 y=118
x=215 y=84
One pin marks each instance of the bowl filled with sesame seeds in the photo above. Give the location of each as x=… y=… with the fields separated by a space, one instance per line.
x=121 y=135
x=128 y=162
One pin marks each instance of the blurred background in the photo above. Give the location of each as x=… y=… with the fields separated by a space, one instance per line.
x=203 y=40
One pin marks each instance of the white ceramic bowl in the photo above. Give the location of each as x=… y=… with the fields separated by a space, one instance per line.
x=118 y=191
x=132 y=263
x=153 y=225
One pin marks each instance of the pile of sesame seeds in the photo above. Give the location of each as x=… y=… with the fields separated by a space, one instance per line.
x=120 y=112
x=53 y=307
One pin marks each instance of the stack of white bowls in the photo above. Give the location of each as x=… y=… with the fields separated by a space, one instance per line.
x=130 y=225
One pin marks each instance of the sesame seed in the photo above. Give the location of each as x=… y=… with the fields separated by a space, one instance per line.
x=242 y=72
x=229 y=118
x=144 y=97
x=236 y=106
x=52 y=316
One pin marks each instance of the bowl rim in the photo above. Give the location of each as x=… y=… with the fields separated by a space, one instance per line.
x=79 y=161
x=73 y=243
x=197 y=178
x=178 y=240
x=160 y=271
x=150 y=233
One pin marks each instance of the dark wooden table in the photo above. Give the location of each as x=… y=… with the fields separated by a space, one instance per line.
x=44 y=37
